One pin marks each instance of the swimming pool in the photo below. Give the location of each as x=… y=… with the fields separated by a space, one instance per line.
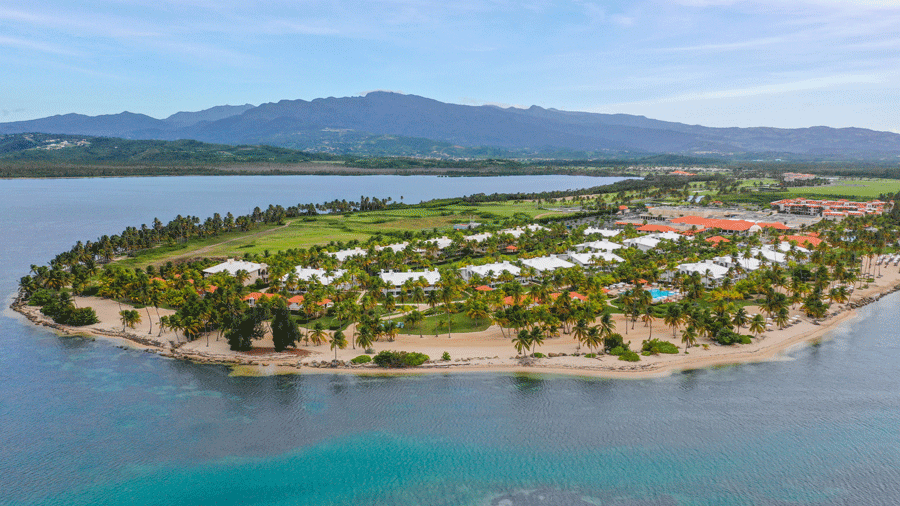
x=660 y=294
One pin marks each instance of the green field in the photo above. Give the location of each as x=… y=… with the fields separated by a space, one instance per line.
x=322 y=229
x=865 y=189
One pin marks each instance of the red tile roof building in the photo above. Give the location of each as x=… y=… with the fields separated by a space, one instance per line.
x=802 y=240
x=656 y=228
x=742 y=226
x=830 y=208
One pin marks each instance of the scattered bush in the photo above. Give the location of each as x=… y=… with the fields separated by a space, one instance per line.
x=618 y=351
x=590 y=355
x=655 y=346
x=362 y=359
x=42 y=297
x=538 y=354
x=62 y=311
x=370 y=351
x=445 y=357
x=629 y=356
x=398 y=359
x=726 y=337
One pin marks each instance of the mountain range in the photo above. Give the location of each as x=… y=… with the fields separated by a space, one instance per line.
x=384 y=123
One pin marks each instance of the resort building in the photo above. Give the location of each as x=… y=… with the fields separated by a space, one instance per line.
x=395 y=280
x=466 y=226
x=593 y=259
x=746 y=264
x=232 y=266
x=740 y=227
x=295 y=303
x=491 y=272
x=603 y=245
x=440 y=242
x=710 y=273
x=323 y=276
x=605 y=232
x=343 y=255
x=547 y=264
x=790 y=177
x=667 y=236
x=478 y=237
x=830 y=209
x=253 y=298
x=396 y=248
x=645 y=243
x=518 y=231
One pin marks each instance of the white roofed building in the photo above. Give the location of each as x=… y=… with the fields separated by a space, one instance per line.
x=321 y=275
x=491 y=272
x=547 y=264
x=344 y=254
x=518 y=231
x=710 y=273
x=645 y=243
x=232 y=266
x=395 y=280
x=593 y=259
x=603 y=245
x=602 y=231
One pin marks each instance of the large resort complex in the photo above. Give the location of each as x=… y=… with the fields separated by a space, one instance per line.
x=714 y=275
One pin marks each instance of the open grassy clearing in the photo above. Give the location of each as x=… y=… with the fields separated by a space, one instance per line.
x=866 y=189
x=437 y=325
x=312 y=230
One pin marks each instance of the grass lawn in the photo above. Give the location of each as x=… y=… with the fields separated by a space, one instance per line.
x=866 y=189
x=308 y=231
x=461 y=324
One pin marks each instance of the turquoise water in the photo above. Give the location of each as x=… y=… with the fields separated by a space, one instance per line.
x=84 y=422
x=656 y=293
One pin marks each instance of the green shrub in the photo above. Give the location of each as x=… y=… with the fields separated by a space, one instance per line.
x=362 y=359
x=646 y=353
x=629 y=356
x=538 y=354
x=618 y=351
x=42 y=297
x=445 y=357
x=655 y=346
x=590 y=355
x=399 y=359
x=726 y=337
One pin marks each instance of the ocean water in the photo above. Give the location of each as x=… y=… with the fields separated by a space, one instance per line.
x=83 y=422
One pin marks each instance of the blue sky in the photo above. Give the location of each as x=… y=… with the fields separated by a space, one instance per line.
x=786 y=63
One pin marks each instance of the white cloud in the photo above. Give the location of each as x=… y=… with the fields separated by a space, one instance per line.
x=37 y=46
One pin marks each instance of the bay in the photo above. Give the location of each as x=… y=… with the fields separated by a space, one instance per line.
x=84 y=422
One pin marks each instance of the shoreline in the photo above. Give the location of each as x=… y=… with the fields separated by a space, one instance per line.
x=476 y=352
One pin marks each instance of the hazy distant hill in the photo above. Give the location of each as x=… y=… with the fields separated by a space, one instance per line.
x=384 y=123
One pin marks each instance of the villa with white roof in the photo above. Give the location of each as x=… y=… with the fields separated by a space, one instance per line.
x=518 y=231
x=321 y=275
x=395 y=280
x=491 y=272
x=547 y=264
x=644 y=243
x=592 y=259
x=347 y=253
x=603 y=245
x=605 y=232
x=232 y=266
x=710 y=273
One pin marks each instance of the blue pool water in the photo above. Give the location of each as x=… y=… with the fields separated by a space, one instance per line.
x=660 y=294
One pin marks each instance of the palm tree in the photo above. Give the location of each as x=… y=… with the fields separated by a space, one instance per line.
x=537 y=338
x=593 y=339
x=129 y=318
x=689 y=337
x=673 y=317
x=318 y=334
x=338 y=341
x=580 y=332
x=414 y=319
x=647 y=317
x=740 y=318
x=757 y=324
x=781 y=318
x=522 y=342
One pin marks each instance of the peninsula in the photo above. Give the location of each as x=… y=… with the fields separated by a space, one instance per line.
x=672 y=272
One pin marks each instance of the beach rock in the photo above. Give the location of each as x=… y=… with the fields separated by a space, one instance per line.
x=553 y=355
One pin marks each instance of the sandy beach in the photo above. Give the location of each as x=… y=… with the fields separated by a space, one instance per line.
x=490 y=350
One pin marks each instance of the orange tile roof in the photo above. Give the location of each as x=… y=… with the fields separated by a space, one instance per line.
x=258 y=296
x=572 y=295
x=622 y=208
x=731 y=225
x=802 y=240
x=651 y=227
x=716 y=239
x=484 y=288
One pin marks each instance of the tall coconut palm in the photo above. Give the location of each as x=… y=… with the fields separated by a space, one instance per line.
x=689 y=337
x=338 y=341
x=522 y=342
x=757 y=324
